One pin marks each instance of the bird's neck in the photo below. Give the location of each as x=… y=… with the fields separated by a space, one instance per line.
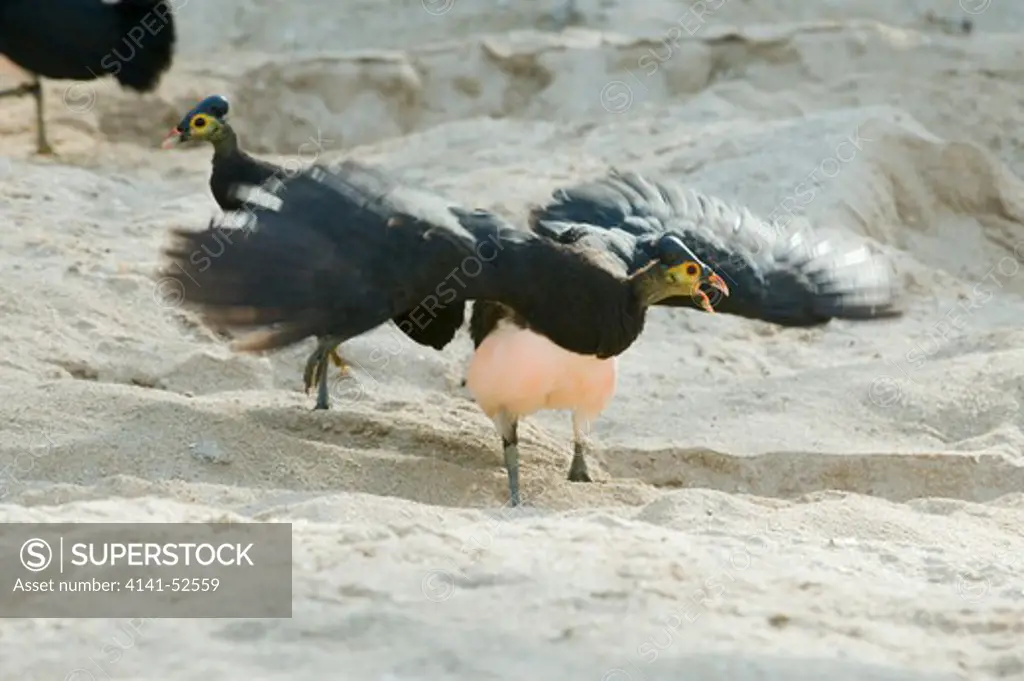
x=649 y=286
x=225 y=144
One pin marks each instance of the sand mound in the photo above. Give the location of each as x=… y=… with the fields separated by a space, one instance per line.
x=771 y=503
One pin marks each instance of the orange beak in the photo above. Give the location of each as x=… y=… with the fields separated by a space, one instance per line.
x=172 y=140
x=715 y=282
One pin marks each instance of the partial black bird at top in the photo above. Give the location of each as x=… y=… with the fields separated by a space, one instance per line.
x=131 y=41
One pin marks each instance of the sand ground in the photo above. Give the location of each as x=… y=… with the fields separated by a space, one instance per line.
x=843 y=502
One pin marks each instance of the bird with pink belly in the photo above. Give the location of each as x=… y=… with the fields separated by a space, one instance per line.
x=349 y=248
x=789 y=277
x=516 y=372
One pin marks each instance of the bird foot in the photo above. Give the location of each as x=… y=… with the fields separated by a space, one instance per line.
x=578 y=468
x=343 y=366
x=44 y=149
x=316 y=364
x=516 y=505
x=315 y=372
x=579 y=473
x=579 y=476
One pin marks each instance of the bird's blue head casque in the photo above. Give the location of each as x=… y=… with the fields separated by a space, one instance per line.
x=681 y=268
x=204 y=121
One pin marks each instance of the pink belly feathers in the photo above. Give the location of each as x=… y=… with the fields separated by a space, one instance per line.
x=522 y=372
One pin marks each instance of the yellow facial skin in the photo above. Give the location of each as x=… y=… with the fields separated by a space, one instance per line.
x=687 y=277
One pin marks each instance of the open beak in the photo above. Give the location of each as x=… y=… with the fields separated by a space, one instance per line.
x=715 y=282
x=173 y=139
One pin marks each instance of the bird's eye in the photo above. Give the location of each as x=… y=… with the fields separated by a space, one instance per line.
x=691 y=269
x=199 y=122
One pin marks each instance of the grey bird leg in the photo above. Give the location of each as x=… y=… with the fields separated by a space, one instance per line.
x=323 y=396
x=578 y=468
x=35 y=88
x=508 y=427
x=316 y=370
x=42 y=144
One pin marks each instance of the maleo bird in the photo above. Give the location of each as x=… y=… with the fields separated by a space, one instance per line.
x=131 y=40
x=789 y=277
x=233 y=167
x=348 y=249
x=207 y=122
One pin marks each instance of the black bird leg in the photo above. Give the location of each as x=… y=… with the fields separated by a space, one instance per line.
x=35 y=88
x=42 y=144
x=508 y=428
x=578 y=468
x=317 y=366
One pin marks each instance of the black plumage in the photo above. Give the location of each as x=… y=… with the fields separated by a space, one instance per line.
x=790 y=277
x=130 y=40
x=348 y=249
x=233 y=167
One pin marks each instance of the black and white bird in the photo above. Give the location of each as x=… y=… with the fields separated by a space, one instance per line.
x=129 y=40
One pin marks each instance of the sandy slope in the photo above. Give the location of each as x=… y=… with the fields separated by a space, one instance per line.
x=773 y=504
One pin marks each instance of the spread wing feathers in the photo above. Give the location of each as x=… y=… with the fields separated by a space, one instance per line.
x=793 y=278
x=131 y=40
x=372 y=192
x=326 y=263
x=335 y=257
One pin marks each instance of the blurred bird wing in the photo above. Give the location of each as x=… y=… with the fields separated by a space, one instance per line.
x=612 y=249
x=336 y=259
x=783 y=273
x=722 y=236
x=335 y=255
